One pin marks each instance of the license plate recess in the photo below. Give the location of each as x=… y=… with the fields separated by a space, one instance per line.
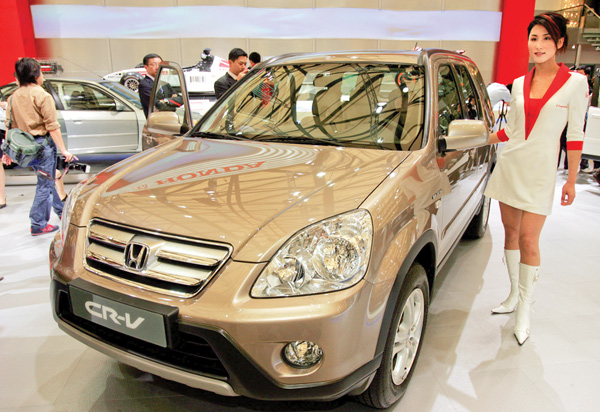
x=141 y=319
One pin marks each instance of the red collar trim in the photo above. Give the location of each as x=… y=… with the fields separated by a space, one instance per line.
x=559 y=80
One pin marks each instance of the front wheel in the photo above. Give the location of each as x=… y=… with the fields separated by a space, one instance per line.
x=403 y=342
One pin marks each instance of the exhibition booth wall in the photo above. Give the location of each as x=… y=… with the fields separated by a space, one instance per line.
x=101 y=36
x=91 y=38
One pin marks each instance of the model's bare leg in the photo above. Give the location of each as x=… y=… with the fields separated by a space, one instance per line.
x=529 y=238
x=511 y=219
x=60 y=186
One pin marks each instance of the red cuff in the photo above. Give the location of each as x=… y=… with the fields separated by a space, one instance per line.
x=575 y=145
x=502 y=136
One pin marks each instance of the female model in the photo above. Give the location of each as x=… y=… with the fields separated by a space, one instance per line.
x=543 y=101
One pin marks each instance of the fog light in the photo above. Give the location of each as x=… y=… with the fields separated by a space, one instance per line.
x=302 y=354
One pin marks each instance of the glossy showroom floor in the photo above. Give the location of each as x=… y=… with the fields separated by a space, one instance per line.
x=470 y=360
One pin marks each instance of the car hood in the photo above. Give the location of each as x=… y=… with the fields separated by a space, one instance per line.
x=251 y=195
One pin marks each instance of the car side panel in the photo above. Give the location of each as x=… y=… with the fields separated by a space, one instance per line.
x=101 y=131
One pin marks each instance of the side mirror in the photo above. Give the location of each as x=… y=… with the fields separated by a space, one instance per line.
x=164 y=121
x=464 y=135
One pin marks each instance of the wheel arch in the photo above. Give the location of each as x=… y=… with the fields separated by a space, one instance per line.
x=422 y=252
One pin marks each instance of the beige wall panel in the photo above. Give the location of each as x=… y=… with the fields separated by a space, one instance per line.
x=211 y=2
x=137 y=3
x=411 y=4
x=281 y=4
x=482 y=53
x=548 y=5
x=78 y=2
x=359 y=4
x=79 y=57
x=191 y=49
x=408 y=44
x=325 y=45
x=126 y=53
x=486 y=5
x=275 y=47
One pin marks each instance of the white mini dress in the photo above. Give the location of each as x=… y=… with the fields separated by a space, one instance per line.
x=525 y=173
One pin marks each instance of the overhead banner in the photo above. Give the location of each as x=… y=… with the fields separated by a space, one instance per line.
x=95 y=22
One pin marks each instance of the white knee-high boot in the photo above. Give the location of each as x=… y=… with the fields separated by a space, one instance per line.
x=528 y=275
x=511 y=258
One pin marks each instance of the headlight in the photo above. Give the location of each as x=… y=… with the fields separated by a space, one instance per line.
x=68 y=208
x=330 y=255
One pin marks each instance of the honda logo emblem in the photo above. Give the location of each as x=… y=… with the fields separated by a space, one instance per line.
x=136 y=256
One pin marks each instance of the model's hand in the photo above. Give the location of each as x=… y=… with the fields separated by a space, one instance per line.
x=6 y=160
x=568 y=194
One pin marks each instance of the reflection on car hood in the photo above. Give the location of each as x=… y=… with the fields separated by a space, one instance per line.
x=228 y=191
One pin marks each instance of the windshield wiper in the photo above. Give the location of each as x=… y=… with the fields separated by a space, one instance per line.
x=299 y=140
x=211 y=135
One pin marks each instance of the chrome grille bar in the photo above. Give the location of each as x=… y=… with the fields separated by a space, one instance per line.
x=181 y=266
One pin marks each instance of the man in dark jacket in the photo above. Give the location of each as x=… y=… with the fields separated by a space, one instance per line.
x=238 y=59
x=151 y=63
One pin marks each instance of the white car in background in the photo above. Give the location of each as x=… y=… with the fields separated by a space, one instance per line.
x=96 y=116
x=200 y=78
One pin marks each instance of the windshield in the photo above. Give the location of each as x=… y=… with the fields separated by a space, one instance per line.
x=124 y=92
x=357 y=105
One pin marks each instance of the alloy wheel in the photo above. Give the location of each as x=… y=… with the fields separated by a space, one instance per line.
x=132 y=84
x=408 y=336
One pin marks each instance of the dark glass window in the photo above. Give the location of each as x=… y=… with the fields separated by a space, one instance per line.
x=449 y=106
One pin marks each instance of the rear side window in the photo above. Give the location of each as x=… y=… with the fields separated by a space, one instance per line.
x=470 y=99
x=449 y=105
x=79 y=96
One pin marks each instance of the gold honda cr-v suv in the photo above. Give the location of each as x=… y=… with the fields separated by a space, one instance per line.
x=286 y=246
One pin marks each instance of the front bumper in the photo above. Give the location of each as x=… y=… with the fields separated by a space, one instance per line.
x=203 y=357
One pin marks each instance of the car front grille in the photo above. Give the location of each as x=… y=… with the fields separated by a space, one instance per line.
x=158 y=262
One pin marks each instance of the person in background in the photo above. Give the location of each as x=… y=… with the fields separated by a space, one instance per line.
x=254 y=59
x=238 y=59
x=60 y=186
x=587 y=166
x=2 y=176
x=32 y=110
x=151 y=63
x=2 y=183
x=206 y=60
x=532 y=135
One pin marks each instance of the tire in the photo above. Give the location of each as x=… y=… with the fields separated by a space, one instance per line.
x=479 y=223
x=131 y=82
x=407 y=327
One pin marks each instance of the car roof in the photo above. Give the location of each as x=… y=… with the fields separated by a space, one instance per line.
x=74 y=79
x=362 y=56
x=68 y=79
